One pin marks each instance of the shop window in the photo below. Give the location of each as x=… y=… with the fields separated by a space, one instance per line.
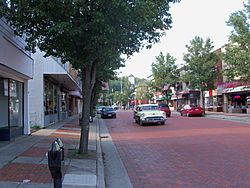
x=210 y=101
x=3 y=103
x=50 y=98
x=16 y=103
x=63 y=102
x=55 y=99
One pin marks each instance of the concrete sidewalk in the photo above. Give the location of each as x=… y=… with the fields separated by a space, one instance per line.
x=24 y=161
x=236 y=117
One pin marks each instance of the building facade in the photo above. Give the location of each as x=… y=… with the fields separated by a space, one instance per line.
x=16 y=68
x=54 y=91
x=228 y=97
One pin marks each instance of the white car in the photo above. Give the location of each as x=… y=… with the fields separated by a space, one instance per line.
x=99 y=109
x=149 y=114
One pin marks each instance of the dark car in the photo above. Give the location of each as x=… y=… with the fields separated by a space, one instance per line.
x=164 y=107
x=192 y=110
x=108 y=112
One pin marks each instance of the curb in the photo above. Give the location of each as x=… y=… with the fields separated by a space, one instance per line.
x=100 y=165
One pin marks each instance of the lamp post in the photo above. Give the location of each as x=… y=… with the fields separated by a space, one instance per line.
x=121 y=85
x=176 y=90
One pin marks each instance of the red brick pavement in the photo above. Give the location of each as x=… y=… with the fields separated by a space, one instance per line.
x=35 y=152
x=17 y=172
x=38 y=173
x=185 y=153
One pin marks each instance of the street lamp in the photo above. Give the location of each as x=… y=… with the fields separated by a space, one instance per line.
x=121 y=85
x=176 y=90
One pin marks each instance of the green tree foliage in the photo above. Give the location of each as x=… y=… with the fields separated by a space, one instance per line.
x=88 y=33
x=201 y=64
x=237 y=55
x=120 y=91
x=164 y=71
x=143 y=90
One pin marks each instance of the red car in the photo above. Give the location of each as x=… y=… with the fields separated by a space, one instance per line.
x=165 y=108
x=192 y=110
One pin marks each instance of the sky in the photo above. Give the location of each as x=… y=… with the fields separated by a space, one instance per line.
x=204 y=18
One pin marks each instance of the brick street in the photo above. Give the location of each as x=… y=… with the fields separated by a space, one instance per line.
x=186 y=152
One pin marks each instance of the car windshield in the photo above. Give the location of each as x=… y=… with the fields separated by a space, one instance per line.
x=163 y=105
x=100 y=107
x=108 y=109
x=149 y=107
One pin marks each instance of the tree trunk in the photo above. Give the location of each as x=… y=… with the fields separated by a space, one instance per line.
x=203 y=101
x=88 y=76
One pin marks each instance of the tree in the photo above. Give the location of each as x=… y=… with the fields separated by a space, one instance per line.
x=237 y=52
x=87 y=33
x=120 y=90
x=201 y=65
x=143 y=90
x=164 y=71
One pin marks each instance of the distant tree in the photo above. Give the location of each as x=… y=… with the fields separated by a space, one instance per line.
x=237 y=54
x=164 y=71
x=143 y=90
x=86 y=33
x=201 y=65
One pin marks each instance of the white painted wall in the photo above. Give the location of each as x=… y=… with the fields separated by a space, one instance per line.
x=36 y=109
x=15 y=63
x=12 y=52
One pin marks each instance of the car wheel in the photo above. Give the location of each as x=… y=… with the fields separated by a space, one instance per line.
x=162 y=123
x=136 y=120
x=168 y=115
x=181 y=114
x=140 y=123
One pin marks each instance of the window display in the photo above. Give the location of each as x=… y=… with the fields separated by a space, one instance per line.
x=50 y=98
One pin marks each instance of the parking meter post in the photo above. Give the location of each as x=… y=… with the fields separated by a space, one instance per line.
x=57 y=183
x=60 y=143
x=55 y=164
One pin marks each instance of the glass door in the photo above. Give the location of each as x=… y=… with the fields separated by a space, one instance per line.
x=4 y=125
x=15 y=108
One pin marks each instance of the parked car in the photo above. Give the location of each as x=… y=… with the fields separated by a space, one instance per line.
x=149 y=114
x=115 y=106
x=164 y=107
x=108 y=112
x=99 y=109
x=192 y=110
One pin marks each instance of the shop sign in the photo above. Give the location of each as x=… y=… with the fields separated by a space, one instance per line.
x=234 y=84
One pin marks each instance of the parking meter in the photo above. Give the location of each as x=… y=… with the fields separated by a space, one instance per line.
x=60 y=143
x=55 y=164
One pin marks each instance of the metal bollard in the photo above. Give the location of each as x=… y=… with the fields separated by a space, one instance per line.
x=55 y=164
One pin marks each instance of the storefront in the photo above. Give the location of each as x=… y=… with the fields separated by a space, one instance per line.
x=11 y=111
x=214 y=100
x=237 y=99
x=191 y=97
x=51 y=112
x=177 y=101
x=49 y=91
x=16 y=68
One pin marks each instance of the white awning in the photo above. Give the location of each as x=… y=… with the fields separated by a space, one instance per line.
x=236 y=89
x=75 y=93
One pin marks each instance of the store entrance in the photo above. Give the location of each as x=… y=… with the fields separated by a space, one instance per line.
x=4 y=125
x=239 y=102
x=11 y=111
